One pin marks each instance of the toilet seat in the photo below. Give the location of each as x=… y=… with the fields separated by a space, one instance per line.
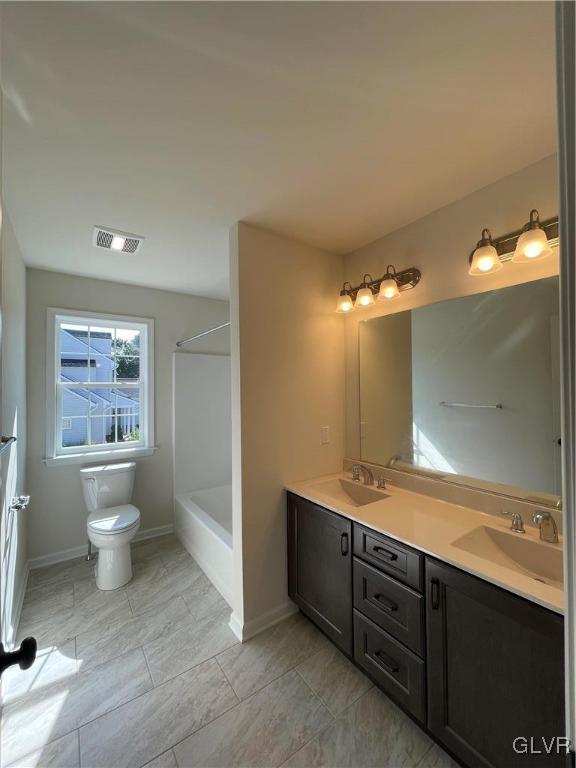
x=114 y=520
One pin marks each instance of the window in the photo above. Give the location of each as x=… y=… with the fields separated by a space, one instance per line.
x=100 y=390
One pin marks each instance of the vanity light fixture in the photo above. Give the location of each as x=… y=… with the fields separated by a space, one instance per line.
x=534 y=241
x=389 y=286
x=365 y=295
x=345 y=301
x=485 y=258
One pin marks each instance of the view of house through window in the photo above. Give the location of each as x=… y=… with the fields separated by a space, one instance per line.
x=101 y=384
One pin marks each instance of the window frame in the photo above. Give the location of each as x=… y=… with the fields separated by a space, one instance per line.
x=55 y=452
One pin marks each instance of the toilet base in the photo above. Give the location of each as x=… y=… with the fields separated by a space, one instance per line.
x=113 y=567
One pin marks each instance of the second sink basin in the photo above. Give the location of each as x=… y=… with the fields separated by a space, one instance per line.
x=350 y=492
x=541 y=561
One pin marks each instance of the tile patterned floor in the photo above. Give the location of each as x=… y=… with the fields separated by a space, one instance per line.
x=151 y=675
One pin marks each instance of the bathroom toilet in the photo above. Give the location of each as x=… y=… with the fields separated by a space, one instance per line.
x=113 y=521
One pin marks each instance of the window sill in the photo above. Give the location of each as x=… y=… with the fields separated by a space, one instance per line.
x=101 y=456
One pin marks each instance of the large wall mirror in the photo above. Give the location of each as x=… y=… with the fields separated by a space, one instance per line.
x=468 y=390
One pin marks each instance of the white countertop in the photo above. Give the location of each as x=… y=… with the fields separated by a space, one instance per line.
x=432 y=526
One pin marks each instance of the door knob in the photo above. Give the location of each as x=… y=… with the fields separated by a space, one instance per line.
x=24 y=656
x=19 y=502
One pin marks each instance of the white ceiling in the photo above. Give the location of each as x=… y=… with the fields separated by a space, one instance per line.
x=333 y=123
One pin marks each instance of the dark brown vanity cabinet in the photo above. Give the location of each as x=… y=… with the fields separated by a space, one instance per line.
x=389 y=639
x=320 y=568
x=477 y=666
x=495 y=671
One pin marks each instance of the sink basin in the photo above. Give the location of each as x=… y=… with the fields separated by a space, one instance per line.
x=541 y=561
x=349 y=492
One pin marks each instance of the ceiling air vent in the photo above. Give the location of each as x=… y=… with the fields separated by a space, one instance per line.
x=114 y=240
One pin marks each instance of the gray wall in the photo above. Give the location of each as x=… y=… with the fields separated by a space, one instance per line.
x=203 y=425
x=57 y=512
x=13 y=422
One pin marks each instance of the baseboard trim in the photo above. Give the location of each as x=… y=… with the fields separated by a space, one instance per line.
x=70 y=554
x=152 y=533
x=249 y=629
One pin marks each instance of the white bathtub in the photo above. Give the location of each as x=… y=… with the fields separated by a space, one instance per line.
x=203 y=523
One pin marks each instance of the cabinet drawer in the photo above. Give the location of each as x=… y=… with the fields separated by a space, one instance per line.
x=390 y=556
x=397 y=670
x=395 y=608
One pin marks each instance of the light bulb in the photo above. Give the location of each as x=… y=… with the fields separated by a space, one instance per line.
x=485 y=259
x=388 y=289
x=532 y=244
x=344 y=303
x=364 y=297
x=117 y=242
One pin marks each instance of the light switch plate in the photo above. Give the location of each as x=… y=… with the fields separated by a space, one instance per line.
x=324 y=435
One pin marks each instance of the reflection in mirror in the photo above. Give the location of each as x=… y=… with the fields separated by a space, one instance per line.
x=468 y=389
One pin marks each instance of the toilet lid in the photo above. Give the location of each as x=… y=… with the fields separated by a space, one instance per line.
x=113 y=519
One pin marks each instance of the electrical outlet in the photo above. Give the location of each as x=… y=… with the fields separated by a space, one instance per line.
x=324 y=435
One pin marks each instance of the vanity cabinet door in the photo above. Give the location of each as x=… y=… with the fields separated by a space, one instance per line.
x=495 y=672
x=320 y=568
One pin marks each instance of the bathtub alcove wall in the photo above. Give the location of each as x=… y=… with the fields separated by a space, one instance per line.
x=203 y=463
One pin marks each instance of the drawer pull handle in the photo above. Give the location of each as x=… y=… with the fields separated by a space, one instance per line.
x=435 y=594
x=386 y=553
x=386 y=662
x=386 y=604
x=344 y=544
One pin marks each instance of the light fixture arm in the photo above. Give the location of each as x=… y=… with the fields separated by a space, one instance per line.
x=534 y=222
x=405 y=279
x=506 y=244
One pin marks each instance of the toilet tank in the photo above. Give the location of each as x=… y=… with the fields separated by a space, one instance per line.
x=108 y=485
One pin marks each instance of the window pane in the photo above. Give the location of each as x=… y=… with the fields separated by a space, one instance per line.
x=102 y=405
x=127 y=341
x=74 y=424
x=99 y=353
x=99 y=428
x=127 y=368
x=101 y=340
x=128 y=415
x=102 y=368
x=73 y=352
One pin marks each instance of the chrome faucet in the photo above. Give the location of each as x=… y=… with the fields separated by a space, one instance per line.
x=366 y=472
x=516 y=522
x=548 y=528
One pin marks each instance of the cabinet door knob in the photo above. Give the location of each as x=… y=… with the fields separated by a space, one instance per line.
x=386 y=662
x=386 y=604
x=344 y=544
x=386 y=553
x=435 y=594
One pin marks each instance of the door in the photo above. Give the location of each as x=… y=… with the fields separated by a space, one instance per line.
x=320 y=568
x=495 y=673
x=12 y=423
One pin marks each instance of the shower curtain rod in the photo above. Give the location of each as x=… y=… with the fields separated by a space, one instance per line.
x=202 y=333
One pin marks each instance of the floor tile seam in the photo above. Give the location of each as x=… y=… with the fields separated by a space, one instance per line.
x=425 y=755
x=318 y=695
x=195 y=730
x=188 y=669
x=314 y=736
